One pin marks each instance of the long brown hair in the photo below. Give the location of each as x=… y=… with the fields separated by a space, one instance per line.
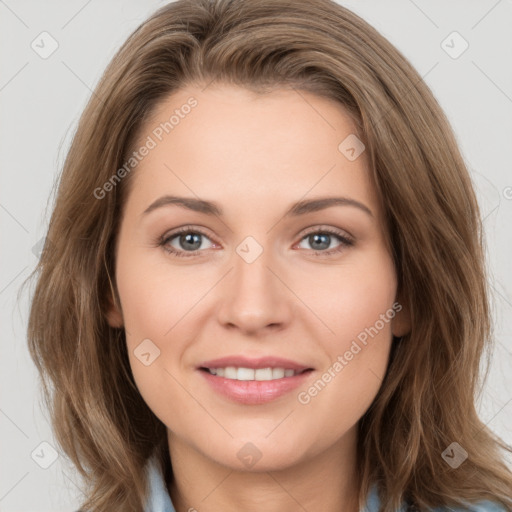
x=427 y=399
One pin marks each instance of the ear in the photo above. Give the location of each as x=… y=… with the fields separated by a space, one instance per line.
x=114 y=317
x=401 y=323
x=114 y=314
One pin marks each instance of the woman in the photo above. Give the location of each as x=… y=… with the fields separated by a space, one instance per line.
x=256 y=369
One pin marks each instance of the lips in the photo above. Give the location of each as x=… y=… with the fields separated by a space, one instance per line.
x=290 y=374
x=256 y=363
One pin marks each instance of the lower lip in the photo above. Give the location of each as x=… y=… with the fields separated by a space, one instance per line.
x=254 y=392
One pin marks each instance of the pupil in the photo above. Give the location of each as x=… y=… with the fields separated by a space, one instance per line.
x=188 y=239
x=317 y=238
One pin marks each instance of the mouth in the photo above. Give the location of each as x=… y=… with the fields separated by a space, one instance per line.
x=257 y=374
x=254 y=381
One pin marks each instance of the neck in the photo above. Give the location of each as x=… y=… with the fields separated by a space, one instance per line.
x=328 y=481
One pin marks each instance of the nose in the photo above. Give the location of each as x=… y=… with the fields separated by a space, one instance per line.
x=254 y=297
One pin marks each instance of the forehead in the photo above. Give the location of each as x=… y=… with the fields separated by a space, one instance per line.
x=225 y=141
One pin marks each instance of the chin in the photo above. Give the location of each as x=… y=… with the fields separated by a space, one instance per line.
x=257 y=455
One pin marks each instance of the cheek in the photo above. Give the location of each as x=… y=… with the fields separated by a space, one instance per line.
x=154 y=311
x=153 y=298
x=358 y=308
x=351 y=297
x=344 y=389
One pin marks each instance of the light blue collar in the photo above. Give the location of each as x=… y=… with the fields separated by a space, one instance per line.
x=158 y=498
x=160 y=501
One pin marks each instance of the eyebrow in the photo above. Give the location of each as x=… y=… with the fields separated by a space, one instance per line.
x=300 y=208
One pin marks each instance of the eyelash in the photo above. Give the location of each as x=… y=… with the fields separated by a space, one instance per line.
x=165 y=239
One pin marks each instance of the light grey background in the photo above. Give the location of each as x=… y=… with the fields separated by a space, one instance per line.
x=41 y=101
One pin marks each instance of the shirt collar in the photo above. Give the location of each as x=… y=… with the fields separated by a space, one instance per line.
x=158 y=499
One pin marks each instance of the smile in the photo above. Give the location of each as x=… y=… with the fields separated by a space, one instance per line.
x=260 y=374
x=250 y=386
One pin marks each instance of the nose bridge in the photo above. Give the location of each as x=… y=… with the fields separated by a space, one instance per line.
x=251 y=270
x=255 y=297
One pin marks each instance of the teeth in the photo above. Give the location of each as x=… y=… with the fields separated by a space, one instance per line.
x=264 y=374
x=231 y=372
x=277 y=373
x=245 y=374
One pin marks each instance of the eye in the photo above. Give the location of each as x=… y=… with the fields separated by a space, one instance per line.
x=320 y=239
x=188 y=241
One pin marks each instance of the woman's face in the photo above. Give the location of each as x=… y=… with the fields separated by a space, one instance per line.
x=256 y=279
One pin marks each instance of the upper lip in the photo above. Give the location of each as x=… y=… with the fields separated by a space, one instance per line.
x=255 y=363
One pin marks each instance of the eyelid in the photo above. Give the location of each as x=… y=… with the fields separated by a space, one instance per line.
x=328 y=229
x=184 y=229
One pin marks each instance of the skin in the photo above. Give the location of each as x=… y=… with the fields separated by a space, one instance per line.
x=255 y=156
